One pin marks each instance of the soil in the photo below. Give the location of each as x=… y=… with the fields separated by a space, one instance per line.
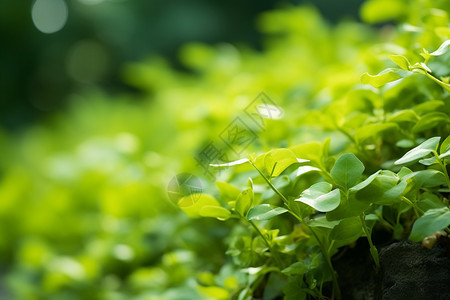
x=408 y=271
x=356 y=271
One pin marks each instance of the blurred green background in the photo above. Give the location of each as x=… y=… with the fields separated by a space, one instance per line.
x=39 y=71
x=98 y=116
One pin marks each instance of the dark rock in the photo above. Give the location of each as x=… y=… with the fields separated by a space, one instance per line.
x=356 y=270
x=410 y=271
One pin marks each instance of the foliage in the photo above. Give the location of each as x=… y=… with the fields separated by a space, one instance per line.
x=84 y=211
x=333 y=202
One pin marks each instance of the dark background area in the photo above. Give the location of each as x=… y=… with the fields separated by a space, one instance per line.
x=34 y=76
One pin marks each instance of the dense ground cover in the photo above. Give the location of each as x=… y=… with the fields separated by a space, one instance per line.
x=84 y=210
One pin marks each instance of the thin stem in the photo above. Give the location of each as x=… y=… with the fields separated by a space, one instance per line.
x=274 y=254
x=373 y=249
x=412 y=204
x=324 y=251
x=271 y=185
x=321 y=245
x=384 y=222
x=326 y=175
x=441 y=83
x=444 y=168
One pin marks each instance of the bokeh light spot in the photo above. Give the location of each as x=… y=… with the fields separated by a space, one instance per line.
x=49 y=16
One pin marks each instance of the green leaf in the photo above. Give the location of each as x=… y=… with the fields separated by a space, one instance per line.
x=407 y=115
x=366 y=182
x=385 y=189
x=250 y=183
x=311 y=151
x=193 y=203
x=445 y=146
x=442 y=49
x=322 y=222
x=431 y=120
x=233 y=163
x=403 y=172
x=348 y=230
x=215 y=212
x=427 y=178
x=428 y=161
x=380 y=79
x=372 y=130
x=420 y=68
x=278 y=160
x=350 y=207
x=401 y=61
x=244 y=202
x=227 y=191
x=320 y=197
x=306 y=169
x=445 y=154
x=296 y=268
x=429 y=106
x=291 y=290
x=433 y=220
x=311 y=262
x=420 y=151
x=429 y=201
x=393 y=194
x=264 y=212
x=347 y=170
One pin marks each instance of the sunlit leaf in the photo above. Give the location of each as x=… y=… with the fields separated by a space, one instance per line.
x=193 y=203
x=404 y=116
x=306 y=169
x=401 y=61
x=214 y=292
x=233 y=163
x=264 y=212
x=276 y=161
x=311 y=151
x=381 y=78
x=244 y=201
x=214 y=212
x=228 y=191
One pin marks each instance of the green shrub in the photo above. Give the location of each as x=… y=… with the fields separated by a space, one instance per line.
x=84 y=210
